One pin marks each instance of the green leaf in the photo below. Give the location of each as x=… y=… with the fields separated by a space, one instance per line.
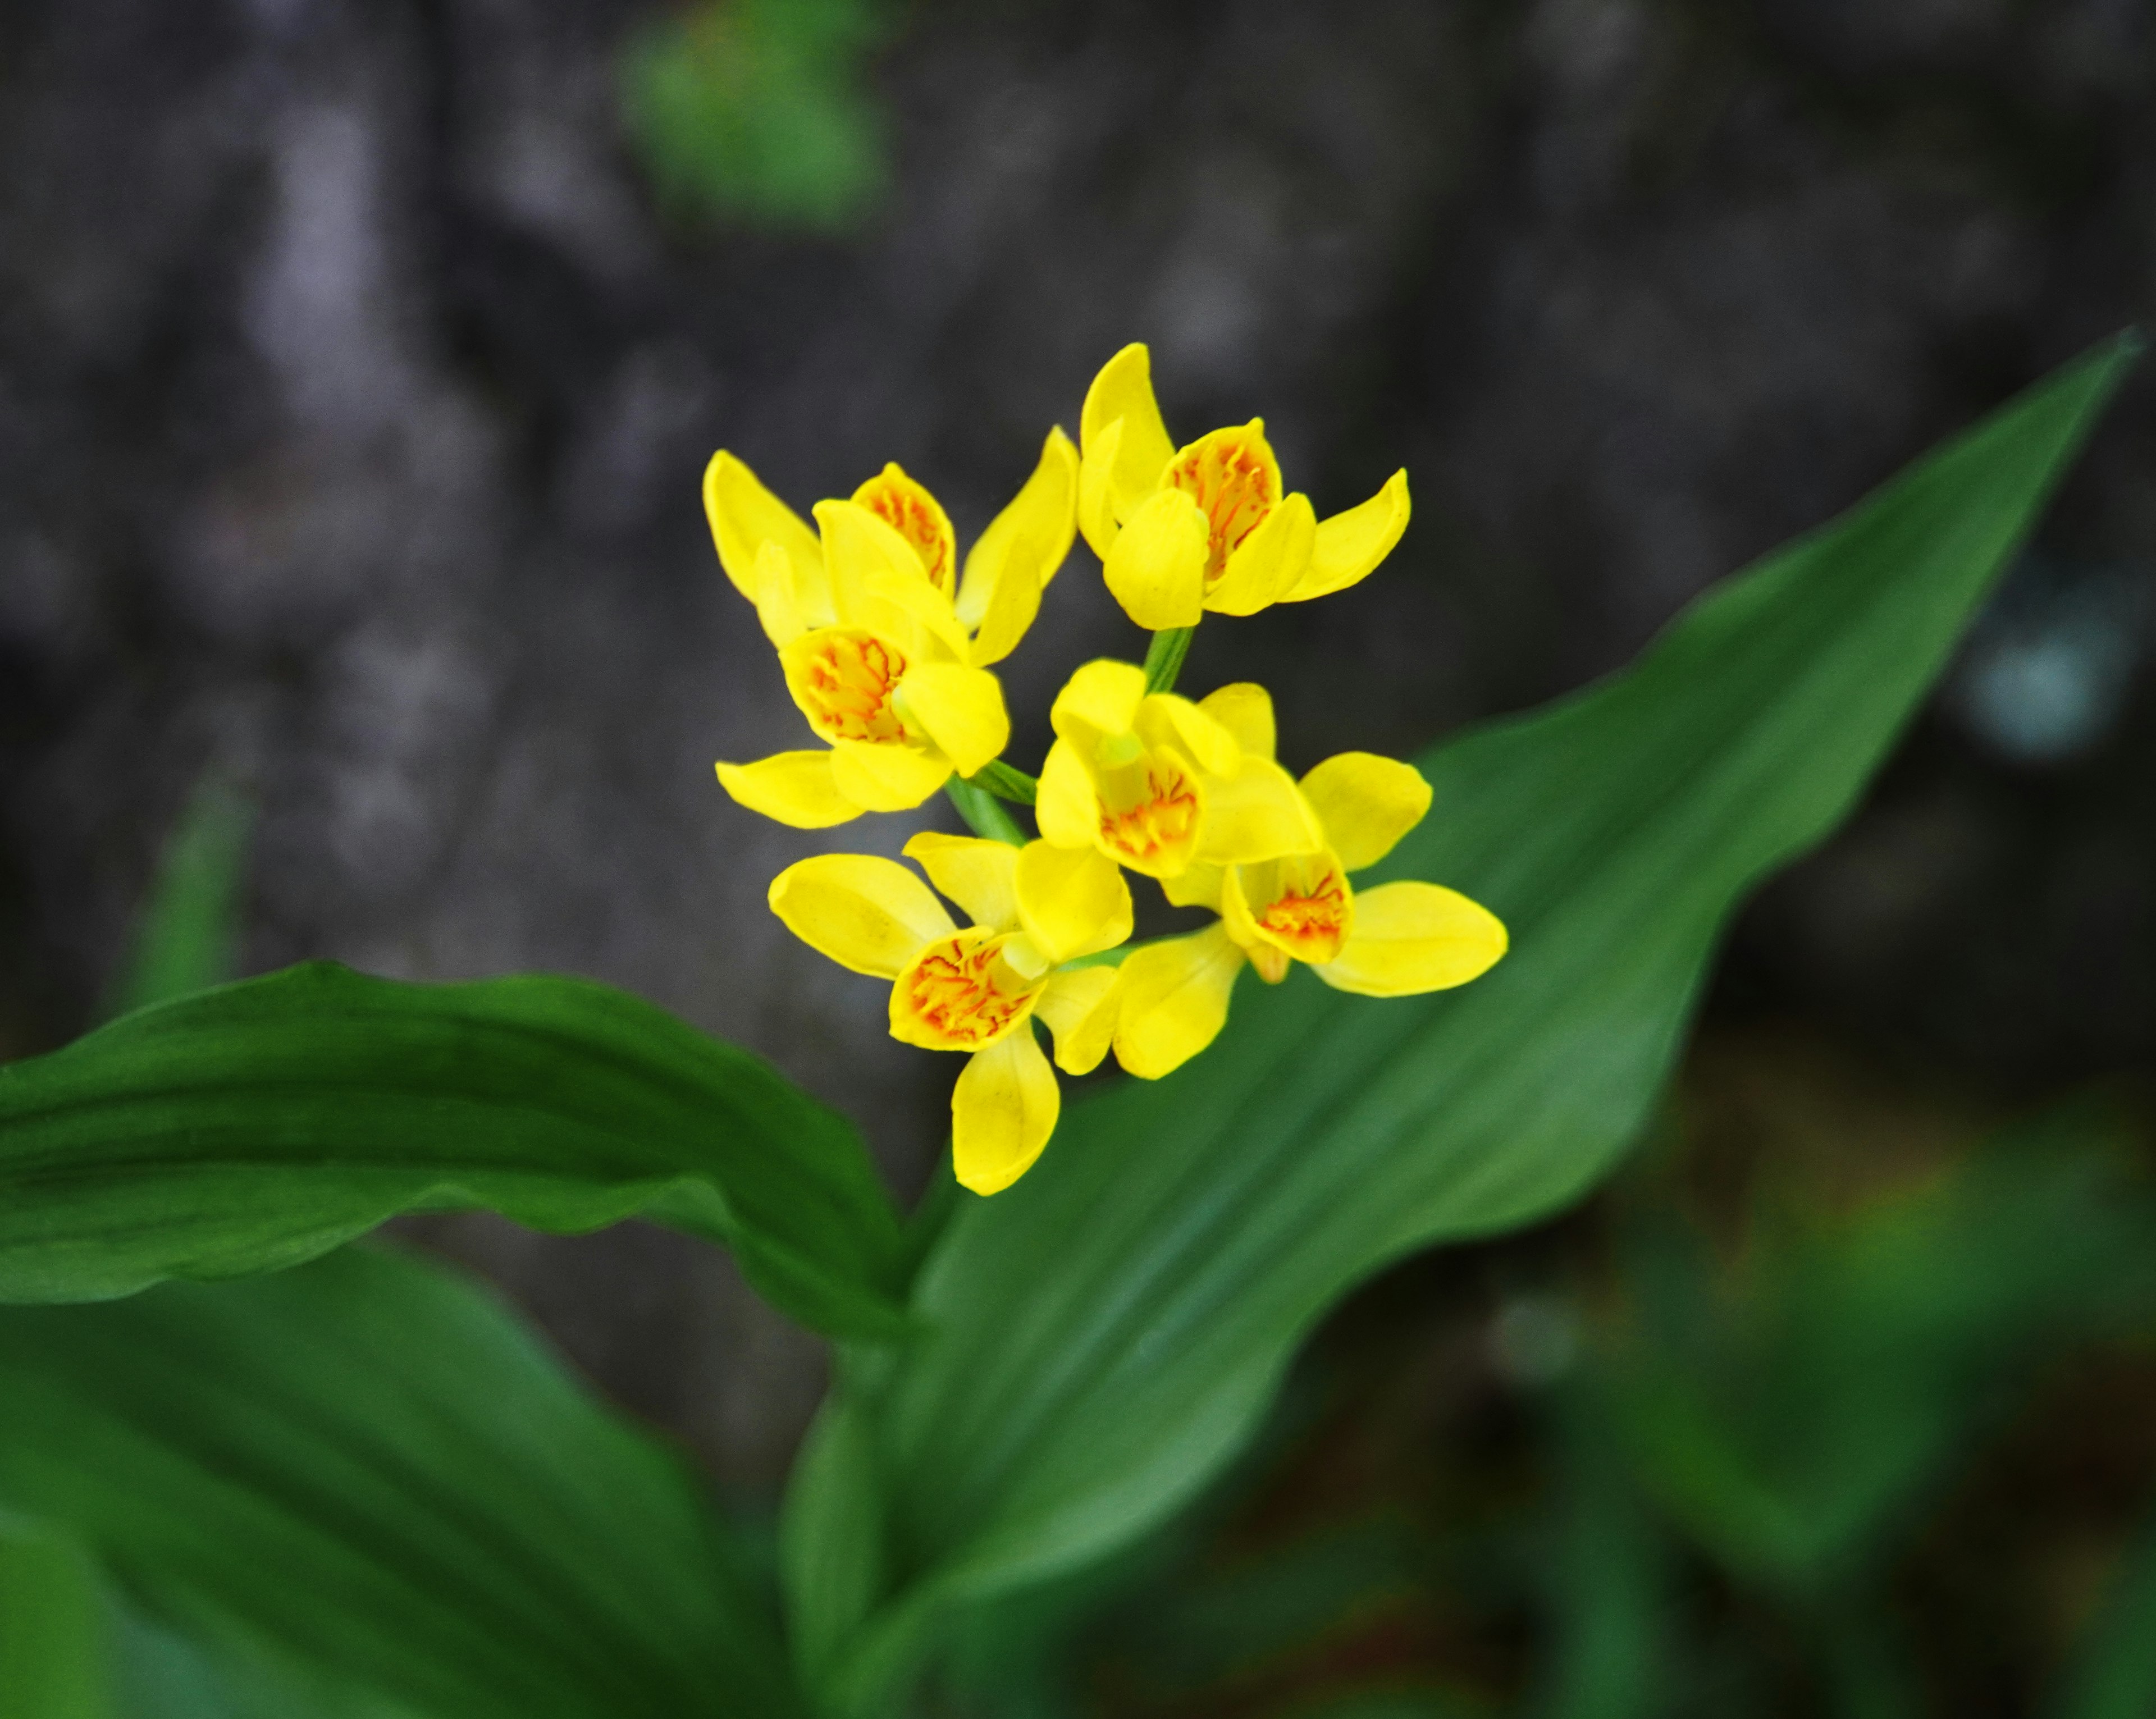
x=189 y=935
x=55 y=1656
x=2114 y=1676
x=249 y=1128
x=366 y=1464
x=1108 y=1331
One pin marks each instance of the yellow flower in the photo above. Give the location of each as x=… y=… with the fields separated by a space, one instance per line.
x=885 y=644
x=979 y=988
x=1160 y=784
x=1396 y=939
x=1181 y=531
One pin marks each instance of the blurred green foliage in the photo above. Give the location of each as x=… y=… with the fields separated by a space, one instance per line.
x=188 y=937
x=755 y=112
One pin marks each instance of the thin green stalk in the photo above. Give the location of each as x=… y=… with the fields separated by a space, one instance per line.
x=1164 y=657
x=983 y=813
x=1005 y=783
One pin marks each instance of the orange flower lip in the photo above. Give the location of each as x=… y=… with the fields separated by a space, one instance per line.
x=1234 y=486
x=954 y=991
x=1163 y=823
x=1313 y=924
x=847 y=682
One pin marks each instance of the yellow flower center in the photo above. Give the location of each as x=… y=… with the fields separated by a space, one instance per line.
x=1149 y=813
x=1235 y=484
x=1300 y=908
x=1315 y=924
x=848 y=681
x=960 y=993
x=912 y=512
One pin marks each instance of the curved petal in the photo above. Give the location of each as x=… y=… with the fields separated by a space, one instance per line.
x=1013 y=604
x=779 y=605
x=1246 y=710
x=1156 y=567
x=981 y=876
x=1003 y=1110
x=858 y=547
x=1099 y=700
x=1411 y=937
x=1265 y=565
x=1097 y=500
x=793 y=787
x=1071 y=901
x=1257 y=813
x=1078 y=1006
x=1175 y=1000
x=743 y=515
x=866 y=912
x=1123 y=390
x=1067 y=808
x=1196 y=886
x=1366 y=803
x=887 y=776
x=1349 y=545
x=917 y=517
x=1166 y=718
x=1030 y=538
x=960 y=709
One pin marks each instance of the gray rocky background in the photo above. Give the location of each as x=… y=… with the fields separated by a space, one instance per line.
x=353 y=400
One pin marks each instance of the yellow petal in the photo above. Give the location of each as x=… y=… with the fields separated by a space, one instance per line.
x=1097 y=500
x=846 y=679
x=1124 y=390
x=1167 y=720
x=1246 y=710
x=1066 y=809
x=1003 y=1110
x=918 y=517
x=1196 y=886
x=887 y=776
x=1257 y=813
x=1071 y=901
x=1079 y=1006
x=1410 y=937
x=778 y=599
x=793 y=787
x=1175 y=1000
x=866 y=913
x=1350 y=544
x=744 y=515
x=1013 y=604
x=1156 y=567
x=858 y=546
x=960 y=709
x=1030 y=538
x=981 y=876
x=1366 y=803
x=1266 y=565
x=1101 y=700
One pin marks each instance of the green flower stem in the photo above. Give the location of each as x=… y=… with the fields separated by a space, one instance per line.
x=983 y=813
x=1005 y=783
x=1164 y=657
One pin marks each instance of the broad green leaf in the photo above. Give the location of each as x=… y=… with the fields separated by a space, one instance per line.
x=189 y=938
x=249 y=1128
x=366 y=1464
x=1107 y=1332
x=55 y=1654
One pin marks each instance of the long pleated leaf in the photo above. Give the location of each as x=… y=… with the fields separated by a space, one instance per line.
x=1107 y=1332
x=248 y=1128
x=367 y=1465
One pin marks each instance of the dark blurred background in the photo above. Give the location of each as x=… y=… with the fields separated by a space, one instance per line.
x=358 y=365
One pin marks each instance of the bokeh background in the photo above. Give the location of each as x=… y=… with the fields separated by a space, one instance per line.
x=357 y=366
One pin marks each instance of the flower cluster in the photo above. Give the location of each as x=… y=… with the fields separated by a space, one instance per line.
x=886 y=640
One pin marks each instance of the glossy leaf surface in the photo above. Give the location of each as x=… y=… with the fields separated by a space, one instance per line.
x=369 y=1466
x=1107 y=1332
x=252 y=1127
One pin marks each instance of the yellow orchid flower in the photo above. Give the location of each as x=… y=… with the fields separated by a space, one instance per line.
x=1396 y=939
x=884 y=642
x=1180 y=531
x=1160 y=784
x=977 y=989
